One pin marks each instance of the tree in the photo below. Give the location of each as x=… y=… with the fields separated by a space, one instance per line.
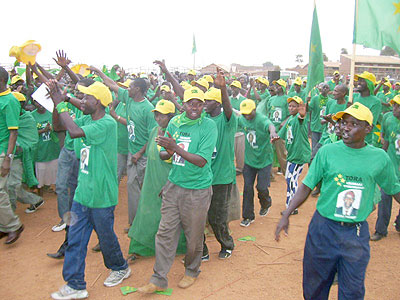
x=325 y=58
x=268 y=64
x=277 y=68
x=343 y=51
x=299 y=58
x=387 y=51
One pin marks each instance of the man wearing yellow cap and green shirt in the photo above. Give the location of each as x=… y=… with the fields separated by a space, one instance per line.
x=396 y=88
x=297 y=91
x=97 y=193
x=334 y=81
x=259 y=92
x=219 y=109
x=258 y=131
x=202 y=84
x=278 y=113
x=390 y=134
x=338 y=235
x=10 y=225
x=384 y=95
x=365 y=88
x=209 y=79
x=190 y=141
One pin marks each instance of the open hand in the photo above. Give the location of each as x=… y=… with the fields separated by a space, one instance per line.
x=161 y=64
x=62 y=59
x=219 y=80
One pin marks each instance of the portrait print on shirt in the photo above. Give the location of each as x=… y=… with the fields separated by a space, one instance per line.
x=348 y=203
x=84 y=162
x=251 y=138
x=277 y=115
x=131 y=130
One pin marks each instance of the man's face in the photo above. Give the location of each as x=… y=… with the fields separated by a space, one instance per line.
x=193 y=108
x=210 y=106
x=336 y=77
x=354 y=130
x=325 y=89
x=190 y=77
x=250 y=116
x=385 y=89
x=272 y=90
x=161 y=119
x=338 y=93
x=361 y=85
x=293 y=108
x=348 y=200
x=133 y=90
x=279 y=89
x=88 y=104
x=297 y=88
x=396 y=110
x=235 y=91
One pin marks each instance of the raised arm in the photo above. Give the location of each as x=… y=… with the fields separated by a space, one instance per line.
x=179 y=90
x=63 y=61
x=107 y=81
x=41 y=77
x=44 y=72
x=220 y=83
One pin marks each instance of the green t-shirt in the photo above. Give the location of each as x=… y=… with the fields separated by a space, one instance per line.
x=9 y=117
x=295 y=134
x=302 y=95
x=263 y=95
x=385 y=98
x=344 y=175
x=74 y=113
x=278 y=110
x=48 y=147
x=258 y=148
x=332 y=107
x=97 y=179
x=194 y=137
x=140 y=120
x=223 y=157
x=235 y=101
x=391 y=131
x=332 y=84
x=317 y=109
x=122 y=131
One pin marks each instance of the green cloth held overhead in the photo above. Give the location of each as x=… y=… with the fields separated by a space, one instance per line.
x=148 y=216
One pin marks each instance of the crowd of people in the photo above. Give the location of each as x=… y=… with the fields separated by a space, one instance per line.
x=182 y=139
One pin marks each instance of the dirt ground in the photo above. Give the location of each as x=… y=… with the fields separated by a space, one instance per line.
x=263 y=269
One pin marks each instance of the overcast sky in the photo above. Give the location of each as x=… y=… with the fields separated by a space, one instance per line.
x=134 y=33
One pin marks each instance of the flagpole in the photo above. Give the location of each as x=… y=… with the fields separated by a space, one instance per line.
x=194 y=61
x=353 y=60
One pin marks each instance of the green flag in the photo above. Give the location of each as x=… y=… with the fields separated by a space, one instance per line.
x=377 y=24
x=315 y=73
x=194 y=49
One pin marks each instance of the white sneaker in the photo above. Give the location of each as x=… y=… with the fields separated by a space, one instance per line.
x=67 y=292
x=116 y=277
x=60 y=226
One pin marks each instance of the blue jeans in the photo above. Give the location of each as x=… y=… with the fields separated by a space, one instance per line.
x=330 y=248
x=84 y=220
x=67 y=180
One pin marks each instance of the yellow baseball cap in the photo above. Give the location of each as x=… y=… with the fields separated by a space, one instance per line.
x=26 y=53
x=15 y=79
x=165 y=88
x=213 y=94
x=298 y=81
x=247 y=106
x=165 y=107
x=237 y=84
x=366 y=75
x=192 y=72
x=20 y=97
x=281 y=82
x=296 y=99
x=125 y=84
x=99 y=91
x=336 y=73
x=202 y=82
x=81 y=69
x=263 y=80
x=388 y=84
x=397 y=83
x=193 y=93
x=358 y=111
x=396 y=99
x=185 y=85
x=208 y=78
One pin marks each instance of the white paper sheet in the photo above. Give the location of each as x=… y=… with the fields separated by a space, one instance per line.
x=40 y=95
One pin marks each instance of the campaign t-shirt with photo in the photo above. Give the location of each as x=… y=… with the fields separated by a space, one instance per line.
x=278 y=110
x=348 y=186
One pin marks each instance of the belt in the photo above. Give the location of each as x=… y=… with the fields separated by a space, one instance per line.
x=346 y=224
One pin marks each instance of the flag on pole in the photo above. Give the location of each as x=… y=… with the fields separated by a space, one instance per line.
x=194 y=49
x=377 y=24
x=315 y=72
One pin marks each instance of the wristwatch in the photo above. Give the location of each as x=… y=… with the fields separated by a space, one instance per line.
x=10 y=156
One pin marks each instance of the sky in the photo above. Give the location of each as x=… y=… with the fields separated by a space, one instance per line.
x=135 y=33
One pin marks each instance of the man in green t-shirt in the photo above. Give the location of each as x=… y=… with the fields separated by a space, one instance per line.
x=10 y=225
x=258 y=131
x=297 y=91
x=390 y=134
x=219 y=109
x=385 y=95
x=139 y=122
x=190 y=140
x=97 y=192
x=317 y=107
x=334 y=81
x=258 y=92
x=338 y=235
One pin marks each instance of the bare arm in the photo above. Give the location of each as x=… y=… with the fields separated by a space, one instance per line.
x=41 y=77
x=12 y=139
x=179 y=90
x=44 y=72
x=107 y=81
x=220 y=83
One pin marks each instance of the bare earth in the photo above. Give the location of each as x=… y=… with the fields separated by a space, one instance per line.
x=263 y=269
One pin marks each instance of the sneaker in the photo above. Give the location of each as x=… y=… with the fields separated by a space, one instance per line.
x=397 y=226
x=60 y=226
x=246 y=222
x=34 y=207
x=264 y=211
x=205 y=257
x=377 y=237
x=96 y=248
x=116 y=277
x=67 y=292
x=224 y=254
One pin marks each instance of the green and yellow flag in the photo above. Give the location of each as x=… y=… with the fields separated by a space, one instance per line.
x=194 y=48
x=377 y=24
x=315 y=73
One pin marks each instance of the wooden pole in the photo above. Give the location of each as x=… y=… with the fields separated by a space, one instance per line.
x=353 y=60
